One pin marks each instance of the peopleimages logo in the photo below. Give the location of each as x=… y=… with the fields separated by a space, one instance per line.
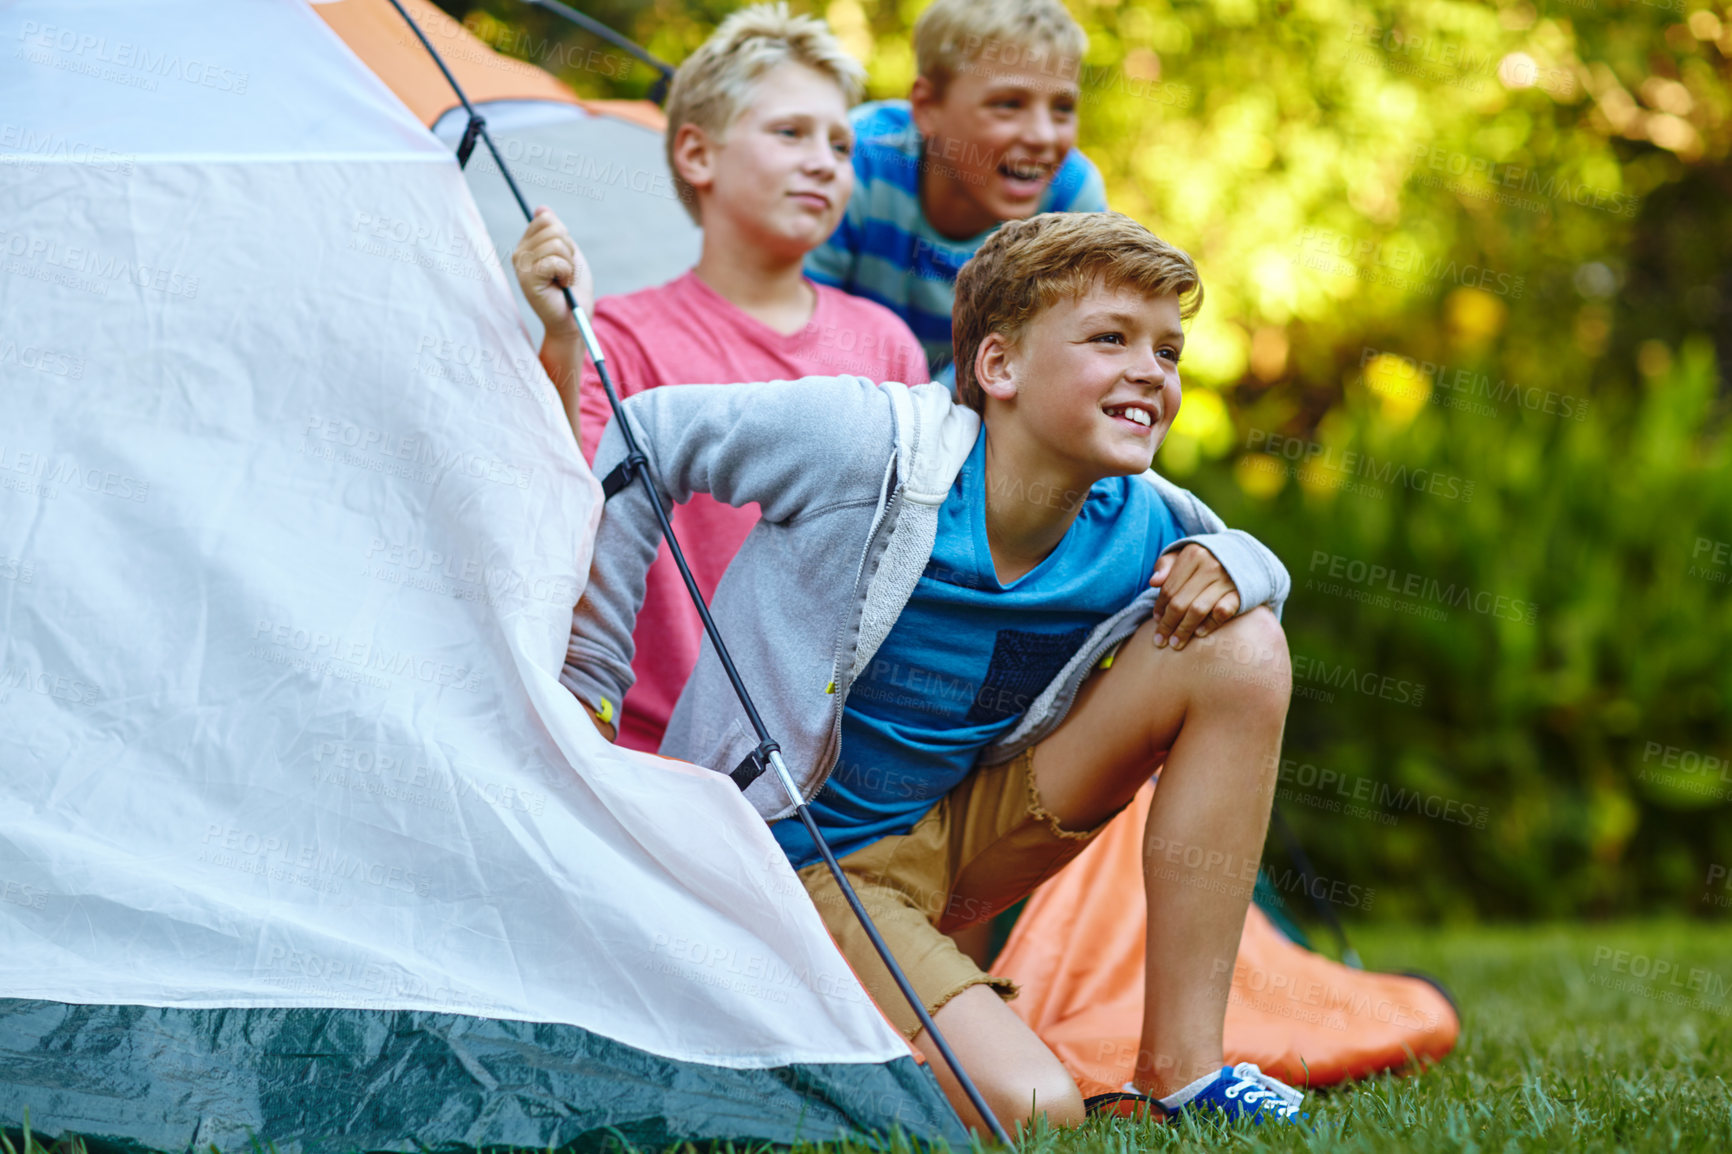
x=1510 y=183
x=1666 y=979
x=38 y=473
x=409 y=455
x=1397 y=265
x=1686 y=771
x=317 y=649
x=1350 y=463
x=49 y=362
x=60 y=686
x=1316 y=673
x=1375 y=578
x=27 y=146
x=1311 y=785
x=107 y=59
x=1718 y=875
x=1711 y=560
x=248 y=851
x=25 y=252
x=1457 y=387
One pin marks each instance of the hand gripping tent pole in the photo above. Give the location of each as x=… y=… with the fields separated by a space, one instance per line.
x=637 y=467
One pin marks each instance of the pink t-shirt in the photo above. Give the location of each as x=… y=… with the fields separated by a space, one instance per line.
x=685 y=333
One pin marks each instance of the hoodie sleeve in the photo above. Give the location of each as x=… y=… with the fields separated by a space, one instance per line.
x=794 y=447
x=1254 y=569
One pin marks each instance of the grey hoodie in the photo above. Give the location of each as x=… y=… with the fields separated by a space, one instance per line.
x=849 y=477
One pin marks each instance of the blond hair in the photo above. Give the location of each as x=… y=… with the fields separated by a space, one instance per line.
x=714 y=85
x=1028 y=266
x=952 y=35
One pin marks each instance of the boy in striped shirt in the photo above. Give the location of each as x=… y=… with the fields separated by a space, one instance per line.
x=987 y=134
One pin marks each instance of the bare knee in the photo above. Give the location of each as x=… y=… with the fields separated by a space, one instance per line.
x=1052 y=1093
x=1256 y=634
x=1015 y=1072
x=1247 y=663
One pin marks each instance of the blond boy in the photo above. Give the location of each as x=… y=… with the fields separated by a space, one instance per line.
x=987 y=134
x=758 y=141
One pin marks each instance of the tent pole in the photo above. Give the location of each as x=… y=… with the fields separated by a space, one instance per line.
x=664 y=70
x=639 y=467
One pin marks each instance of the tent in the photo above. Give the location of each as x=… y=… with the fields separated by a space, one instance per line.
x=598 y=164
x=299 y=837
x=301 y=840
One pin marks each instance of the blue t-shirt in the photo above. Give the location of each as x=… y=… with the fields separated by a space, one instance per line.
x=968 y=655
x=884 y=249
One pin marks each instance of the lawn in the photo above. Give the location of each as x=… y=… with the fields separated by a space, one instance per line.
x=1614 y=1037
x=1610 y=1037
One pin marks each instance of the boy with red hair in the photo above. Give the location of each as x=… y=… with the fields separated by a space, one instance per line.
x=947 y=618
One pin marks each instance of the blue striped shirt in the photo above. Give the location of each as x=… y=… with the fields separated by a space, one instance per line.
x=885 y=249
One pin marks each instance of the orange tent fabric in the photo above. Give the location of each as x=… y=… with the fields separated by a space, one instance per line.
x=1077 y=952
x=374 y=32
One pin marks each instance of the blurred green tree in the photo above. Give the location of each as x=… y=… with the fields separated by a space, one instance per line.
x=1464 y=364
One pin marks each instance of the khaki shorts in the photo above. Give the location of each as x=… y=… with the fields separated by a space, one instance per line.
x=985 y=846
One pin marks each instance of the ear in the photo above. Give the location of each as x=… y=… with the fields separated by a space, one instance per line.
x=923 y=104
x=694 y=156
x=995 y=367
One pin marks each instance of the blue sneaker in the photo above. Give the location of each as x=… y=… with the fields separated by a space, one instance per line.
x=1236 y=1092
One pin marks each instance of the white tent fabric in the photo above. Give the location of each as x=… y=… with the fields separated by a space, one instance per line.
x=290 y=531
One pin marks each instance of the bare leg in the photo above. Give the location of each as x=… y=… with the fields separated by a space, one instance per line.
x=1013 y=1069
x=974 y=941
x=1217 y=707
x=1216 y=710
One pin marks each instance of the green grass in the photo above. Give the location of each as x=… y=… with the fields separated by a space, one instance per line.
x=1553 y=1056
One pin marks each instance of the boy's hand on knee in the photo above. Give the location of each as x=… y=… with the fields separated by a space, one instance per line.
x=1197 y=597
x=547 y=260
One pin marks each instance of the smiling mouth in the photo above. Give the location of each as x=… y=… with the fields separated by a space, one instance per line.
x=1017 y=170
x=1134 y=414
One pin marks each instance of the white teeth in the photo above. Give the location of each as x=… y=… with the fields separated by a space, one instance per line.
x=1140 y=416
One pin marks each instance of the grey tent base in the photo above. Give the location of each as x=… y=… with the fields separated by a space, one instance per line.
x=132 y=1078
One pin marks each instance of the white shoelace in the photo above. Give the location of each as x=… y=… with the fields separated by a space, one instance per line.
x=1253 y=1086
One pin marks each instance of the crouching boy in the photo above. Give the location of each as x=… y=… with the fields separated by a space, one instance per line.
x=975 y=628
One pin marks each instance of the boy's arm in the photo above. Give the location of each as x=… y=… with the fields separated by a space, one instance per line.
x=792 y=446
x=1257 y=575
x=546 y=261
